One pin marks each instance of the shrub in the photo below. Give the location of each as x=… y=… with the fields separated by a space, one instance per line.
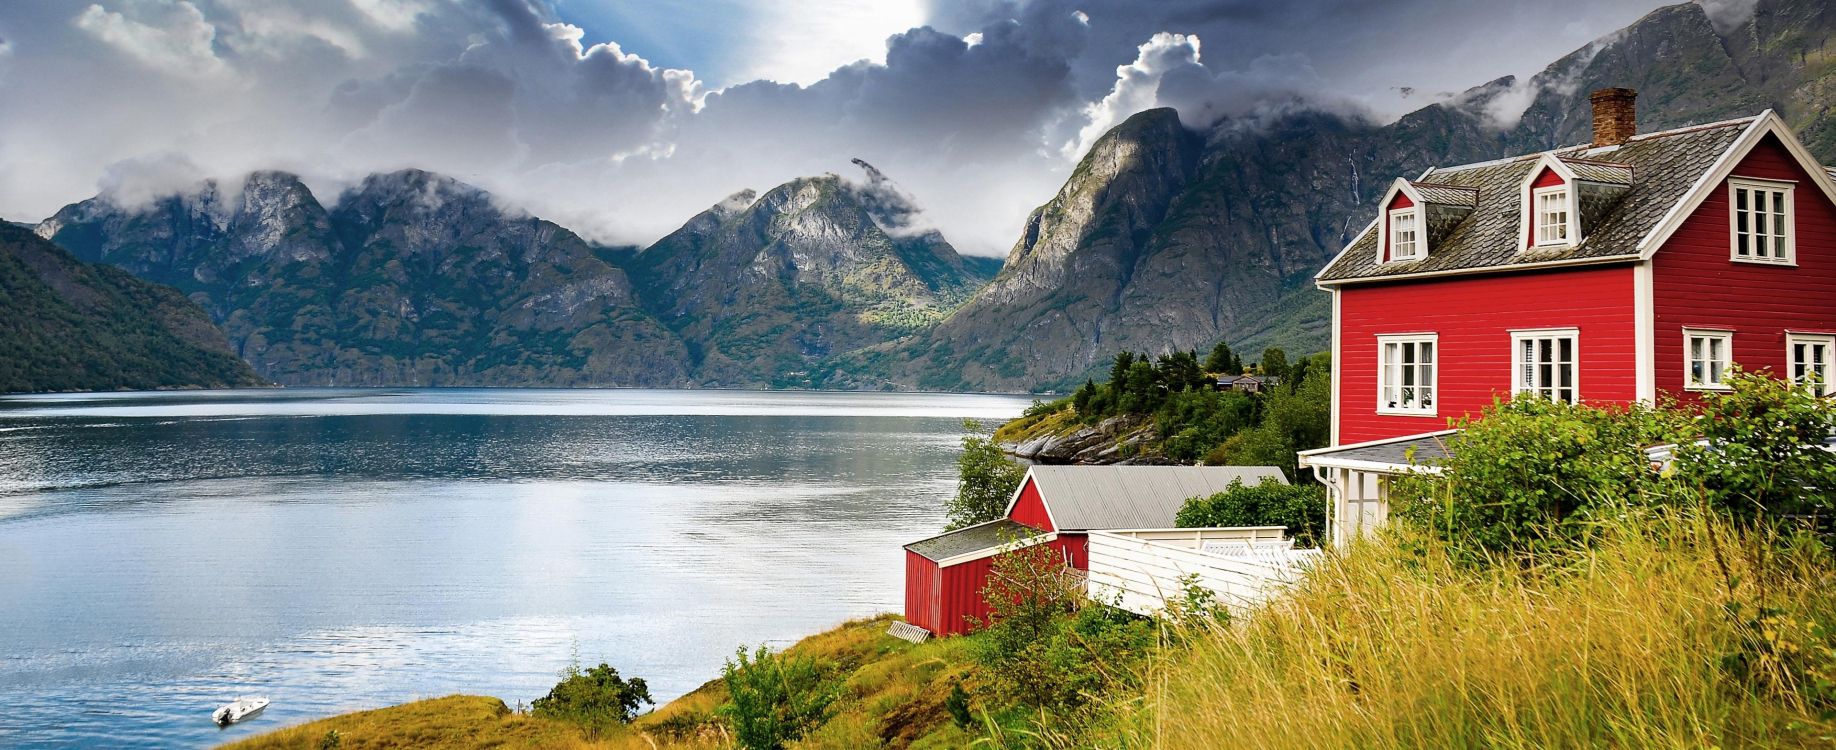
x=986 y=480
x=1299 y=508
x=1761 y=453
x=1532 y=473
x=774 y=698
x=1044 y=645
x=597 y=698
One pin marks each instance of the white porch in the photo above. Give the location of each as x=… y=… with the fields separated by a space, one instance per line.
x=1357 y=478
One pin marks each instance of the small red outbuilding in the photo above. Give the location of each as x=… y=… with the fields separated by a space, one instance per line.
x=1055 y=505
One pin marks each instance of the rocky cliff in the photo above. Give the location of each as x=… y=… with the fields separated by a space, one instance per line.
x=412 y=279
x=66 y=325
x=766 y=288
x=1165 y=239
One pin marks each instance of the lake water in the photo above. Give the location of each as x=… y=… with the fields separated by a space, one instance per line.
x=161 y=553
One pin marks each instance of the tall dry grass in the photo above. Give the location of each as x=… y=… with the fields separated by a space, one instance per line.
x=1647 y=639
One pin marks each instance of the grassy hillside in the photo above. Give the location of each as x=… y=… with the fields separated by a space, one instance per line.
x=893 y=695
x=1654 y=638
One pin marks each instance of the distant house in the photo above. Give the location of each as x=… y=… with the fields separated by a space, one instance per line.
x=1247 y=383
x=1634 y=267
x=1058 y=506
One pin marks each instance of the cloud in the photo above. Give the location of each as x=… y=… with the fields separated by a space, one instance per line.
x=1726 y=15
x=1167 y=72
x=171 y=37
x=893 y=209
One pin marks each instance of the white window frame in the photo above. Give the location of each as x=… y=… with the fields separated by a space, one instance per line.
x=1726 y=338
x=1417 y=244
x=1786 y=243
x=1568 y=216
x=1792 y=365
x=1519 y=365
x=1384 y=342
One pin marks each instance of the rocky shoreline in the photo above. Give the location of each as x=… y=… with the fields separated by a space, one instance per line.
x=1117 y=440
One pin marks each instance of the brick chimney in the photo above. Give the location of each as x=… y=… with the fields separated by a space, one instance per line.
x=1615 y=116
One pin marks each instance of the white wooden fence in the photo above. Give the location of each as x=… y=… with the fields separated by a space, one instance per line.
x=1140 y=569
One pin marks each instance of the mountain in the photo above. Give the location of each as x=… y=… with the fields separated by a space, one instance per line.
x=68 y=325
x=1165 y=239
x=766 y=288
x=410 y=278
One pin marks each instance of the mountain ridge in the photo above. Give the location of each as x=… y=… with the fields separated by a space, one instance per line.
x=70 y=325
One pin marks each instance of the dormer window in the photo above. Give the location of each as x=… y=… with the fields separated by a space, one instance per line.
x=1405 y=235
x=1552 y=216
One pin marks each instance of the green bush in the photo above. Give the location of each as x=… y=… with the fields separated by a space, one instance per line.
x=1760 y=455
x=775 y=698
x=1530 y=473
x=1299 y=508
x=596 y=698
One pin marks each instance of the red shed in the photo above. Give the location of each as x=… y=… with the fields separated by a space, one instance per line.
x=1055 y=505
x=1633 y=268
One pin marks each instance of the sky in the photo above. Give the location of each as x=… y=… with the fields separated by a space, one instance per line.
x=620 y=119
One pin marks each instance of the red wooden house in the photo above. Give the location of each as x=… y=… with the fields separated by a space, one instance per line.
x=1634 y=266
x=1058 y=506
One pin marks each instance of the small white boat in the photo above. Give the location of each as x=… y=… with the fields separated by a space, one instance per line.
x=240 y=709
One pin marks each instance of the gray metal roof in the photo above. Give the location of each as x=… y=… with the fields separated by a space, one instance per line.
x=1664 y=166
x=975 y=538
x=1134 y=497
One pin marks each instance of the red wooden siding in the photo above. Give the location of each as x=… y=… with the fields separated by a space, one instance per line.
x=1075 y=548
x=943 y=600
x=1030 y=509
x=1695 y=284
x=960 y=596
x=1473 y=317
x=1548 y=178
x=1400 y=201
x=921 y=602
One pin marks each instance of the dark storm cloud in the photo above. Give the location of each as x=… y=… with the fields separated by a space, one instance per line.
x=978 y=116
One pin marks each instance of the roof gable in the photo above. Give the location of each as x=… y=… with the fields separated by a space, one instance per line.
x=1081 y=498
x=1767 y=124
x=1651 y=174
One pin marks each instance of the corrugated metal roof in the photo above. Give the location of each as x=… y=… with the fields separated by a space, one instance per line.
x=1666 y=165
x=1134 y=497
x=975 y=538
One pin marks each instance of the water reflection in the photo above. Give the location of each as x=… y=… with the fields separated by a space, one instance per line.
x=357 y=548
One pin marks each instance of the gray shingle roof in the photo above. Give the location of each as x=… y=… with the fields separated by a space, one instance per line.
x=976 y=538
x=1134 y=497
x=1664 y=167
x=1425 y=450
x=1447 y=194
x=1612 y=173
